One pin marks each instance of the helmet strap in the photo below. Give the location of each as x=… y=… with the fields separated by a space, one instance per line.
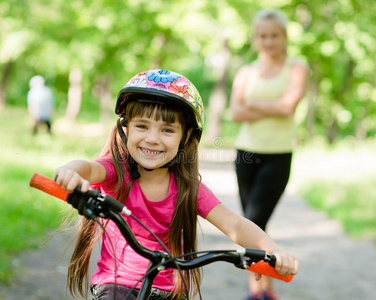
x=132 y=163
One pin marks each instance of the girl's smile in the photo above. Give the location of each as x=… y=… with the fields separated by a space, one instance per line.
x=150 y=152
x=153 y=143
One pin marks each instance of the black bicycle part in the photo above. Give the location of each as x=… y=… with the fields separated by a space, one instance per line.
x=93 y=204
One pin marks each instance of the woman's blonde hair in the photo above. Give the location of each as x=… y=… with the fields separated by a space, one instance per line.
x=270 y=14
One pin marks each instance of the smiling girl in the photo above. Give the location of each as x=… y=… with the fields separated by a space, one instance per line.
x=150 y=163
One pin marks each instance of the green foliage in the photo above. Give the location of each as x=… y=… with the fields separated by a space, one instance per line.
x=121 y=38
x=340 y=51
x=117 y=39
x=353 y=204
x=25 y=216
x=341 y=181
x=28 y=214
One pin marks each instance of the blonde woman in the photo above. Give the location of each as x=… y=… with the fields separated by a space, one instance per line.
x=264 y=97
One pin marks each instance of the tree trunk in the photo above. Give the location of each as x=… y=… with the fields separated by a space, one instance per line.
x=74 y=95
x=339 y=95
x=104 y=94
x=3 y=83
x=311 y=112
x=360 y=130
x=218 y=96
x=331 y=133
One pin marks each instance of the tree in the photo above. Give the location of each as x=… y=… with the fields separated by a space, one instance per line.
x=109 y=41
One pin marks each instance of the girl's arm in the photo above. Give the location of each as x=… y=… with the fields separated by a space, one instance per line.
x=239 y=109
x=286 y=105
x=80 y=173
x=247 y=234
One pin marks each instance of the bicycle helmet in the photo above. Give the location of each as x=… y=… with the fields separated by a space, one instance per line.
x=165 y=86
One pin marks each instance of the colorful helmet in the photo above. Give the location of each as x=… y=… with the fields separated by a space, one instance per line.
x=169 y=87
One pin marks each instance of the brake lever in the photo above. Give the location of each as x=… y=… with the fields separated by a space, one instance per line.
x=270 y=259
x=250 y=255
x=92 y=204
x=87 y=204
x=244 y=262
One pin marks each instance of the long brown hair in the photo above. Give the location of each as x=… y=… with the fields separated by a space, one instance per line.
x=183 y=229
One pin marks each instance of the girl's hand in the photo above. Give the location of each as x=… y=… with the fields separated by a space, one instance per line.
x=69 y=179
x=286 y=264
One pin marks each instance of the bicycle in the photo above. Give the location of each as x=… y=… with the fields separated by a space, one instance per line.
x=93 y=204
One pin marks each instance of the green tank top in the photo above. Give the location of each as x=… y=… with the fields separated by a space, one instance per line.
x=267 y=135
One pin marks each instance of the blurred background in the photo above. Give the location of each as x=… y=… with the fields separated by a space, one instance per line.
x=87 y=50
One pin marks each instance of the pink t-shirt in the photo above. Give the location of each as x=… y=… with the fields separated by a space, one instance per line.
x=157 y=216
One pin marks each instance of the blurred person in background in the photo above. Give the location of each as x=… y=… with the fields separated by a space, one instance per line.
x=264 y=97
x=40 y=103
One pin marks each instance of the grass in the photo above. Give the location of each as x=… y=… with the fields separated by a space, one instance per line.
x=341 y=181
x=351 y=203
x=28 y=214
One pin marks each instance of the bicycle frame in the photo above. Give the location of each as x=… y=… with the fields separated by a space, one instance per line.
x=93 y=204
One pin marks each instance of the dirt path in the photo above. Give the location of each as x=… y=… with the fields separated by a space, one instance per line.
x=332 y=265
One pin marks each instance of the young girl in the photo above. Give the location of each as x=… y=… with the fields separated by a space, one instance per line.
x=150 y=163
x=264 y=97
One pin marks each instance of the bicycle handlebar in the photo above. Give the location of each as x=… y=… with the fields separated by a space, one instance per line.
x=254 y=260
x=48 y=186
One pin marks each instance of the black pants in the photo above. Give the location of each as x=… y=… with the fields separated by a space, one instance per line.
x=37 y=124
x=262 y=179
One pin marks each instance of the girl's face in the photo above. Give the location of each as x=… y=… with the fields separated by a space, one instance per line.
x=270 y=38
x=153 y=143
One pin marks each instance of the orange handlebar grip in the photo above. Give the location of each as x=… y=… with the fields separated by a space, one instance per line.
x=264 y=268
x=48 y=186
